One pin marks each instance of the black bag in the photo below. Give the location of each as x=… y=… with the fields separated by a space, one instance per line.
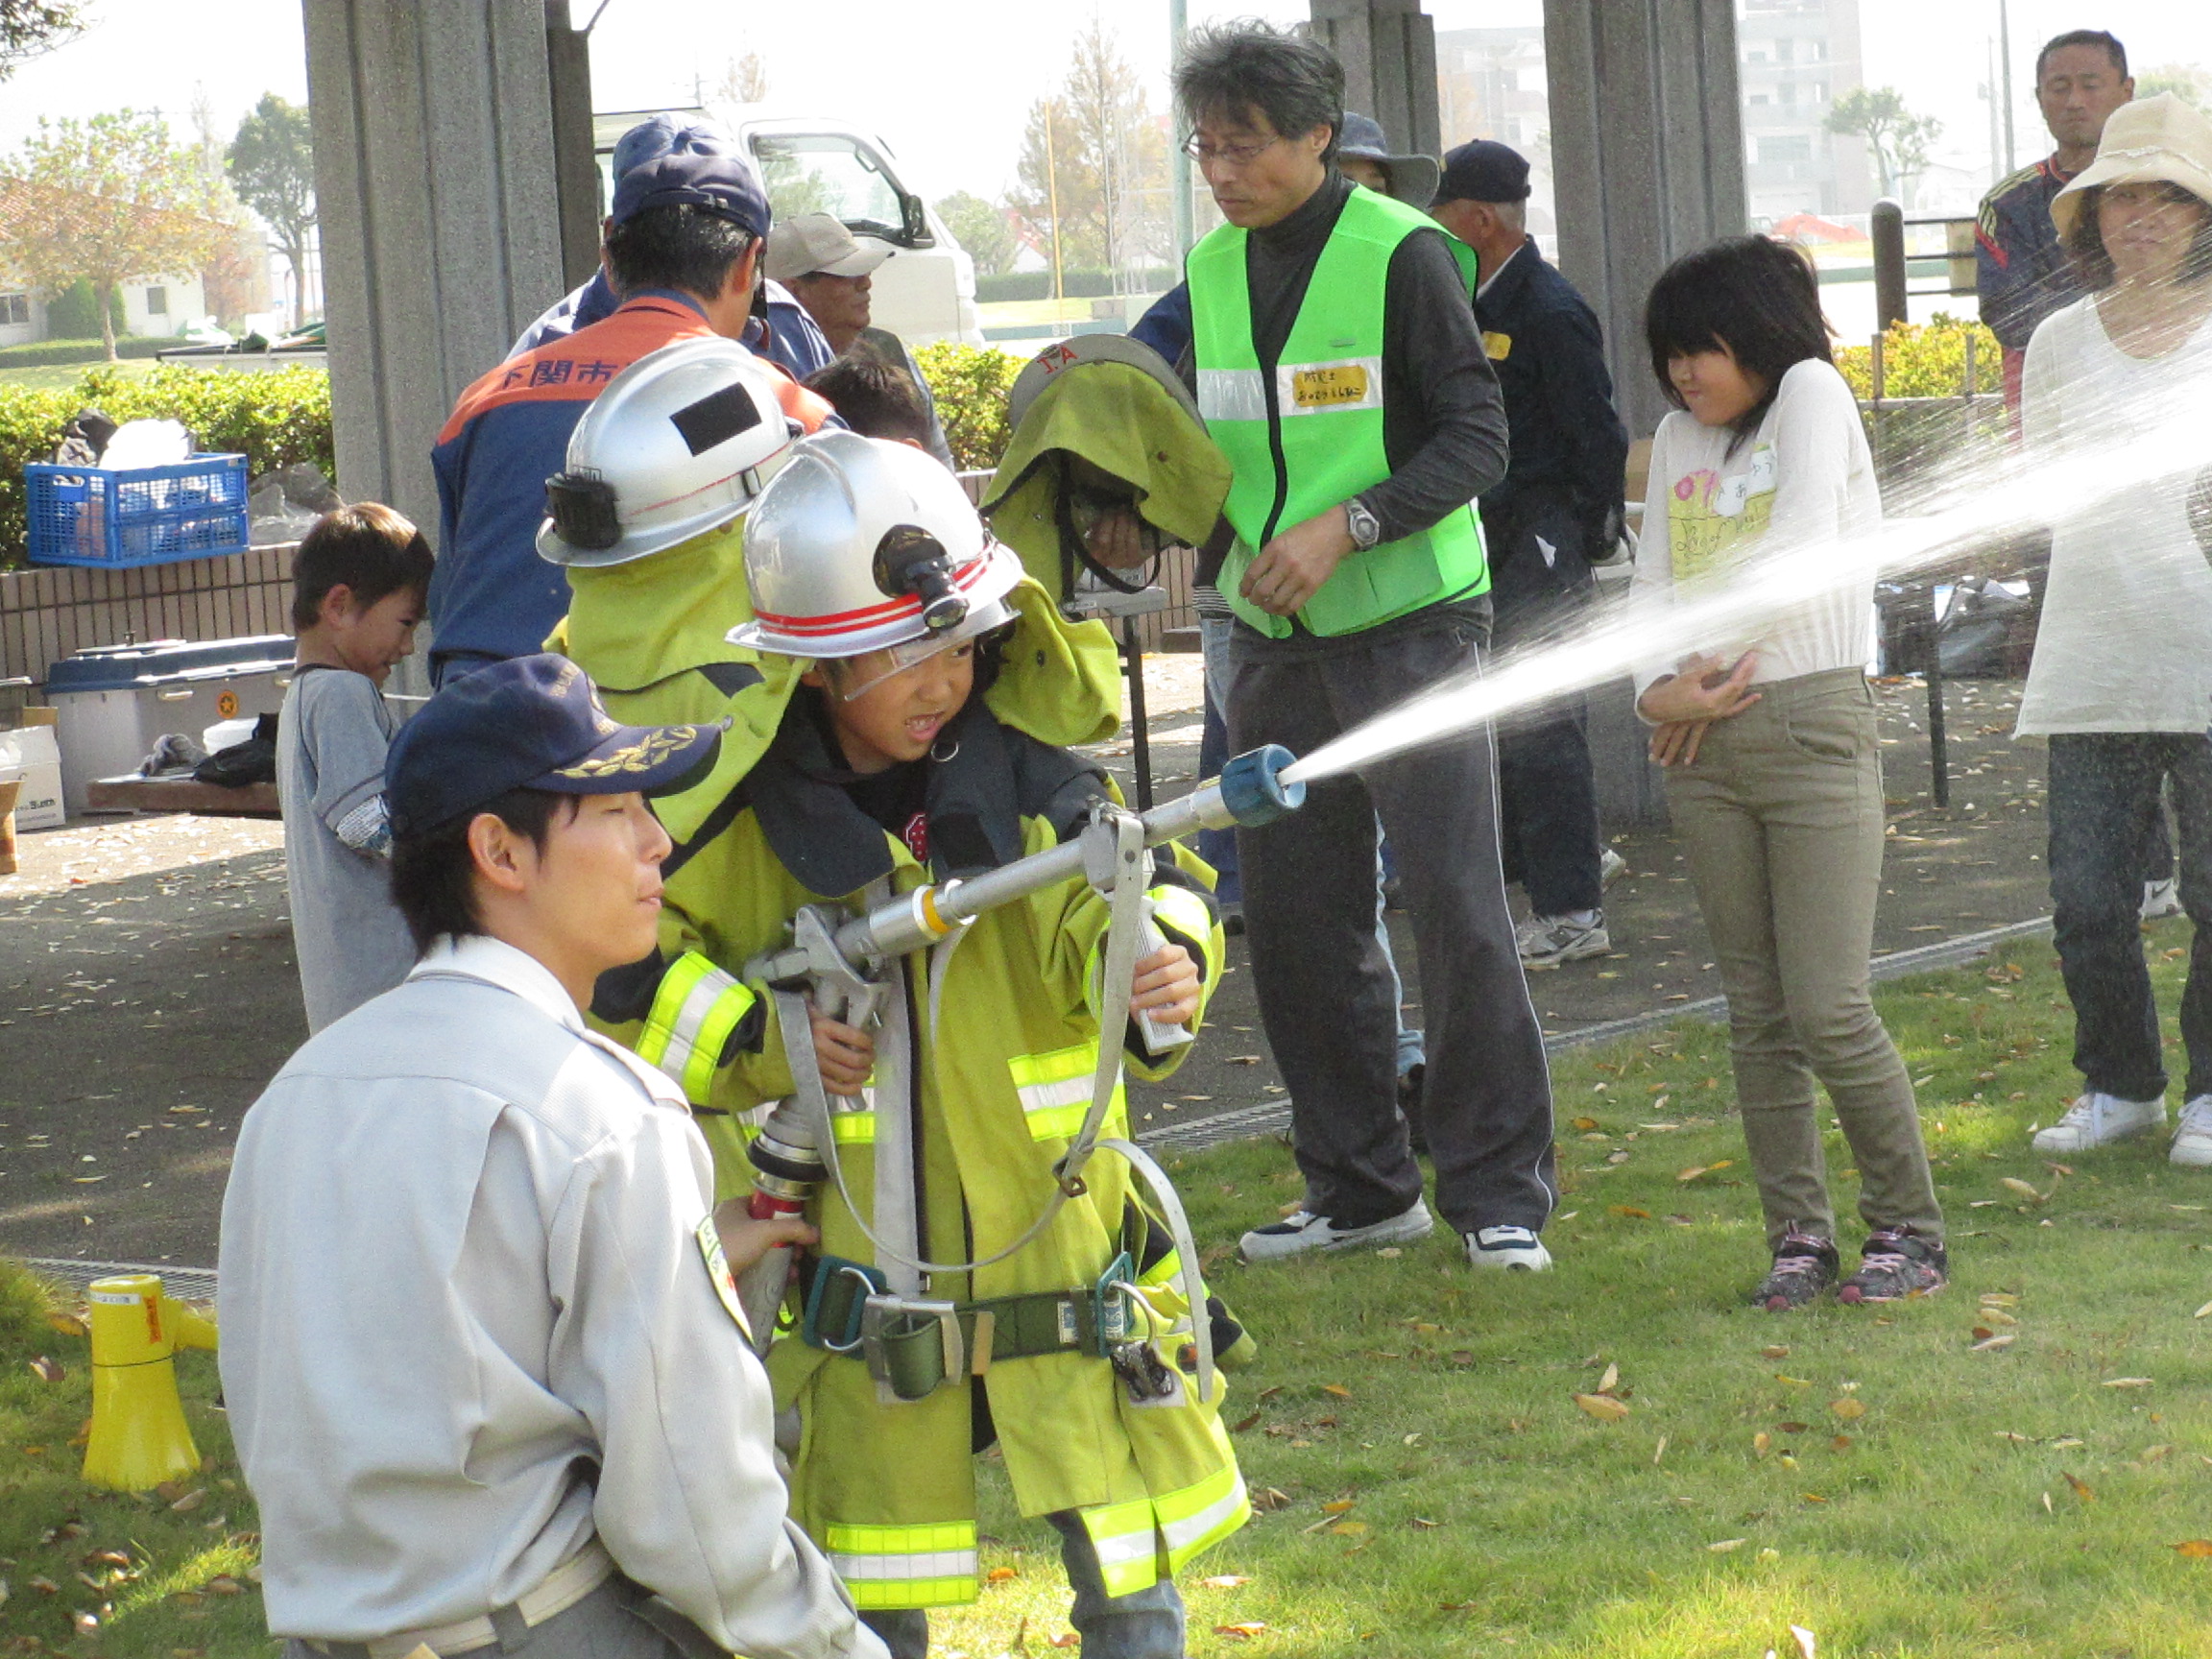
x=253 y=762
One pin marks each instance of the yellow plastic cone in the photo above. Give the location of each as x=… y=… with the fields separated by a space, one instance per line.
x=138 y=1434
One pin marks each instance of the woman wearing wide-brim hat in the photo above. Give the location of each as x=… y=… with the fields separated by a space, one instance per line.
x=2122 y=680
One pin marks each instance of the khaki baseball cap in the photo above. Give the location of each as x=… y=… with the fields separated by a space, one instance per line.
x=818 y=244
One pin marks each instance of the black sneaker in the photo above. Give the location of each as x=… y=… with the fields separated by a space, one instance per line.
x=1804 y=1267
x=1410 y=1083
x=1895 y=1264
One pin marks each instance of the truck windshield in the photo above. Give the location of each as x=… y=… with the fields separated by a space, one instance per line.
x=828 y=173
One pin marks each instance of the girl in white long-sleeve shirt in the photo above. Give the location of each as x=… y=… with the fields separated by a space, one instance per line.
x=1774 y=780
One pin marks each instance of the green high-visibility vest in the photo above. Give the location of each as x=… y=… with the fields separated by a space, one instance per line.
x=1310 y=435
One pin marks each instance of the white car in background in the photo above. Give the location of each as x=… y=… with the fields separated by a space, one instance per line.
x=925 y=291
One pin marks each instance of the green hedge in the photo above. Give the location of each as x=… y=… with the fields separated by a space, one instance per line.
x=970 y=384
x=273 y=419
x=39 y=354
x=1926 y=360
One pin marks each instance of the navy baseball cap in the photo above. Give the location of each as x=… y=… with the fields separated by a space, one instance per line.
x=528 y=723
x=724 y=186
x=1484 y=171
x=659 y=136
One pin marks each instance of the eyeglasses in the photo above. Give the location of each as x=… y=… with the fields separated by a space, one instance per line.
x=1235 y=155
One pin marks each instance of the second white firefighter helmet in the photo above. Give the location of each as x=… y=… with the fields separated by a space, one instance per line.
x=680 y=443
x=864 y=548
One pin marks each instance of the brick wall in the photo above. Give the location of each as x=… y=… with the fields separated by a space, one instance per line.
x=45 y=613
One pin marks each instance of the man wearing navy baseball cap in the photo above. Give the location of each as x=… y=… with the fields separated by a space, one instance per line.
x=684 y=251
x=781 y=329
x=485 y=1362
x=1557 y=508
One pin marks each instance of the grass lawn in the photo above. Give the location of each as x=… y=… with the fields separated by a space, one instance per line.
x=1881 y=1482
x=59 y=376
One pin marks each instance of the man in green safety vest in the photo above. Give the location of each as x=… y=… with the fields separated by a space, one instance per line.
x=1337 y=366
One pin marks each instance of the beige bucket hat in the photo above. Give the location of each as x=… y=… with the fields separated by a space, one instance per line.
x=2157 y=140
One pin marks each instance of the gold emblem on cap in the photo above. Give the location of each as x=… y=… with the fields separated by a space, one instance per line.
x=643 y=755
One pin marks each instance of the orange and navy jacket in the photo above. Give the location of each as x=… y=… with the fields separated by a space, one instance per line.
x=490 y=592
x=2021 y=272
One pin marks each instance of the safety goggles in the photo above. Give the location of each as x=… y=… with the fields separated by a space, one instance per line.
x=852 y=677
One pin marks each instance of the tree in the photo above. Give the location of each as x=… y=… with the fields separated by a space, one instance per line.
x=1096 y=152
x=111 y=199
x=1899 y=139
x=272 y=167
x=2191 y=83
x=982 y=230
x=31 y=28
x=744 y=80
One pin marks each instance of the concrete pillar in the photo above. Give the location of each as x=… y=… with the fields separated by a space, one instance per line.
x=1388 y=50
x=575 y=168
x=1646 y=158
x=435 y=176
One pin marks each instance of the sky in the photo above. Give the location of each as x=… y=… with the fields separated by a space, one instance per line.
x=947 y=82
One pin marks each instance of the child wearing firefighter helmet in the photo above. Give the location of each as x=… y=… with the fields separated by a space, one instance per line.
x=895 y=765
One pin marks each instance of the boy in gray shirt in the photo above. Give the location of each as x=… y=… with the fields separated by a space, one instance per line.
x=360 y=582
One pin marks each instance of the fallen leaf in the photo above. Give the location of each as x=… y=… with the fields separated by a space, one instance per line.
x=1463 y=1356
x=1998 y=1316
x=2202 y=1312
x=1247 y=1423
x=2080 y=1491
x=2126 y=1381
x=2013 y=1183
x=47 y=1370
x=1842 y=1443
x=1659 y=1451
x=1630 y=1210
x=1602 y=1407
x=1349 y=1529
x=1338 y=1505
x=1693 y=1172
x=223 y=1584
x=1067 y=1639
x=1225 y=1581
x=1000 y=1575
x=1271 y=1498
x=2195 y=1549
x=1987 y=1344
x=1725 y=1544
x=1848 y=1408
x=1612 y=1376
x=1425 y=1524
x=1585 y=1123
x=1811 y=1496
x=1789 y=1381
x=1242 y=1632
x=190 y=1501
x=1999 y=1299
x=1336 y=1388
x=44 y=1586
x=1775 y=1351
x=68 y=1324
x=1456 y=1607
x=1793 y=1427
x=1760 y=1443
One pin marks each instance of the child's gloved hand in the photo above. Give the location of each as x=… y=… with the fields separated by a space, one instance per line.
x=846 y=1054
x=1166 y=986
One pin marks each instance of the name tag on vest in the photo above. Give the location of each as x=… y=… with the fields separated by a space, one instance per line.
x=1354 y=383
x=1497 y=347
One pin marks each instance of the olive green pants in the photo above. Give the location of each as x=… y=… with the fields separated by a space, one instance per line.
x=1781 y=819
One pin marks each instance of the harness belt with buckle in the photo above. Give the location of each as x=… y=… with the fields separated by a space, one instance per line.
x=916 y=1345
x=509 y=1626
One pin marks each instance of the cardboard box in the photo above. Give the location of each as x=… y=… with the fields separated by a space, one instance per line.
x=31 y=752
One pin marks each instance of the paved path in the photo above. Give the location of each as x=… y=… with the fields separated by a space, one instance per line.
x=146 y=985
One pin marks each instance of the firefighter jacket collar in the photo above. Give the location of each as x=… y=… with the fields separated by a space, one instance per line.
x=989 y=780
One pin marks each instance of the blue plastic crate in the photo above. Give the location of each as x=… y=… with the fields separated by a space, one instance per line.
x=111 y=518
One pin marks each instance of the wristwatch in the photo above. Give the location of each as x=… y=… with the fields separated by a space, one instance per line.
x=1366 y=529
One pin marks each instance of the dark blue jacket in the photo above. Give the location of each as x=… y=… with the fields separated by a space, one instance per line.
x=1543 y=341
x=2020 y=271
x=790 y=337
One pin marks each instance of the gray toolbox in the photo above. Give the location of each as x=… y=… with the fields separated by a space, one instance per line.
x=114 y=702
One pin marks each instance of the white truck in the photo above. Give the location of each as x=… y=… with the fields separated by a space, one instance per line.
x=925 y=291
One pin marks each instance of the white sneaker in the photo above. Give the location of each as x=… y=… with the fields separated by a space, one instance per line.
x=2192 y=1146
x=1512 y=1249
x=1547 y=940
x=1611 y=867
x=1303 y=1232
x=2097 y=1119
x=2161 y=900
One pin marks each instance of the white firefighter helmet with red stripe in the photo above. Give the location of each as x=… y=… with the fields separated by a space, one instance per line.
x=861 y=545
x=678 y=443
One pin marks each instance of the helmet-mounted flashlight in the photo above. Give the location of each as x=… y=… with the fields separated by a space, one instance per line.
x=912 y=562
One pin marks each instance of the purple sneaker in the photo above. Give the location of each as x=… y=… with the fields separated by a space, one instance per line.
x=1804 y=1267
x=1895 y=1264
